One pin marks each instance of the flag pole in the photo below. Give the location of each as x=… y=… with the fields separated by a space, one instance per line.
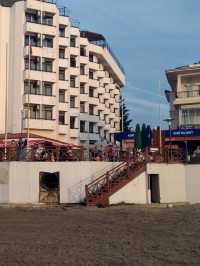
x=29 y=89
x=6 y=103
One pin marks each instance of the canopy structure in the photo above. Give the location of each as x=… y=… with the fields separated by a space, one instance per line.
x=35 y=140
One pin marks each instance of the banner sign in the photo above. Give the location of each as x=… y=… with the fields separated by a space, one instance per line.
x=124 y=136
x=182 y=133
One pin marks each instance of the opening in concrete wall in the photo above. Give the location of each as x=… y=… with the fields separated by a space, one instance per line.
x=154 y=187
x=49 y=187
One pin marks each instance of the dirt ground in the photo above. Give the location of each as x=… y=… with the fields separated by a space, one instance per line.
x=123 y=235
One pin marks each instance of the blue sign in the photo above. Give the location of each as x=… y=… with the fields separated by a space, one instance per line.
x=124 y=136
x=182 y=133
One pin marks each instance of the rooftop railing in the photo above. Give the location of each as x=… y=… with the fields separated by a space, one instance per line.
x=64 y=11
x=75 y=23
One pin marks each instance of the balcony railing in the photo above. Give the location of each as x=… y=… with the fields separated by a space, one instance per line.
x=64 y=11
x=188 y=94
x=75 y=23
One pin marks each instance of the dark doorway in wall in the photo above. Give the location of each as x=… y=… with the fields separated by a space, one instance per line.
x=154 y=187
x=49 y=187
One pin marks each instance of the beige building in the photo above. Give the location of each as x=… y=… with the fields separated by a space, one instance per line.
x=185 y=96
x=71 y=84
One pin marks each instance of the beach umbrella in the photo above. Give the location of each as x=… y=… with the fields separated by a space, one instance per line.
x=138 y=141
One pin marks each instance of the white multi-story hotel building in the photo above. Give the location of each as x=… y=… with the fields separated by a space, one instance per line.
x=185 y=96
x=71 y=84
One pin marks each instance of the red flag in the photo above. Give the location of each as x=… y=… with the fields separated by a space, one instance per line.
x=30 y=50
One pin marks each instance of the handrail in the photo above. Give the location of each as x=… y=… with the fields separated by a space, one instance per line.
x=108 y=172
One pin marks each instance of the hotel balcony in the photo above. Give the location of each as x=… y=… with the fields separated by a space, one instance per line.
x=74 y=111
x=74 y=133
x=75 y=51
x=84 y=136
x=63 y=107
x=94 y=66
x=84 y=97
x=40 y=124
x=93 y=118
x=37 y=27
x=101 y=74
x=101 y=90
x=93 y=83
x=63 y=129
x=38 y=75
x=63 y=62
x=84 y=60
x=41 y=52
x=47 y=6
x=187 y=97
x=63 y=41
x=39 y=99
x=94 y=136
x=93 y=100
x=74 y=71
x=83 y=78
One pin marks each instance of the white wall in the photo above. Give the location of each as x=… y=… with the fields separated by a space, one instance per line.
x=134 y=192
x=24 y=179
x=172 y=181
x=4 y=180
x=193 y=183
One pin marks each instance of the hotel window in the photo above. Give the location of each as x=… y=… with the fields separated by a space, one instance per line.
x=91 y=127
x=91 y=91
x=47 y=88
x=47 y=112
x=61 y=117
x=34 y=38
x=32 y=88
x=61 y=30
x=82 y=69
x=82 y=126
x=91 y=57
x=34 y=63
x=72 y=122
x=82 y=50
x=33 y=16
x=72 y=101
x=47 y=18
x=82 y=88
x=91 y=109
x=73 y=81
x=91 y=74
x=61 y=73
x=47 y=65
x=72 y=41
x=61 y=52
x=48 y=41
x=34 y=111
x=61 y=96
x=72 y=61
x=82 y=107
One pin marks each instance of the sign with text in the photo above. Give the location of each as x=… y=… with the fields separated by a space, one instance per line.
x=124 y=136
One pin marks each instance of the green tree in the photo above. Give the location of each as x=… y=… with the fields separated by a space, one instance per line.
x=125 y=117
x=138 y=140
x=144 y=136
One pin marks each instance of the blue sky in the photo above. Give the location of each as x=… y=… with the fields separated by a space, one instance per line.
x=148 y=37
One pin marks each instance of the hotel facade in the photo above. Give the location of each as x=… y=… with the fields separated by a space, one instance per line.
x=56 y=80
x=184 y=98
